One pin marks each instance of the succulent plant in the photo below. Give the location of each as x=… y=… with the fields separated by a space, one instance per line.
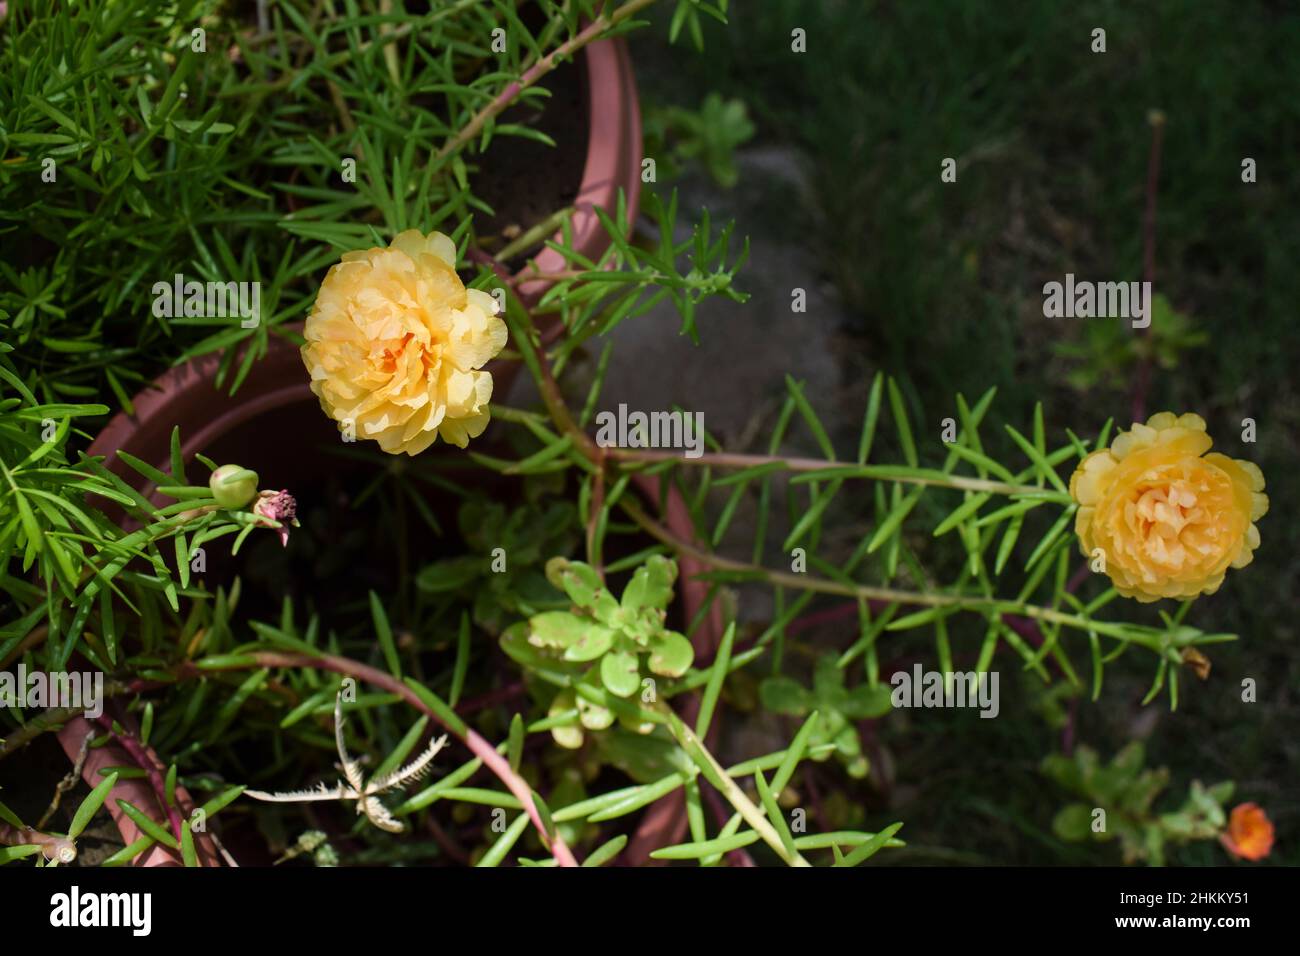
x=603 y=641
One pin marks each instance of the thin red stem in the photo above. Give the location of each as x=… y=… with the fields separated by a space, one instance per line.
x=1142 y=380
x=150 y=767
x=477 y=744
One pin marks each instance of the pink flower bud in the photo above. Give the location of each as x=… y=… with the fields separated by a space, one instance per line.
x=278 y=506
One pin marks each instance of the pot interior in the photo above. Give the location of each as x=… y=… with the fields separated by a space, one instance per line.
x=359 y=529
x=524 y=180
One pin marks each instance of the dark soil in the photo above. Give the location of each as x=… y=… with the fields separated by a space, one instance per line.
x=525 y=181
x=339 y=552
x=29 y=779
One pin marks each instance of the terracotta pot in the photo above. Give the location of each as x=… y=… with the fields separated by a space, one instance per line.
x=136 y=791
x=276 y=400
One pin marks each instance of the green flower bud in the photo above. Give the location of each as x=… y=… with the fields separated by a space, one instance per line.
x=233 y=486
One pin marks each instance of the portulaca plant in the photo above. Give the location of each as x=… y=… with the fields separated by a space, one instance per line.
x=631 y=663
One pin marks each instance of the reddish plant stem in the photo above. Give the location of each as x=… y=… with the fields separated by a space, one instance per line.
x=146 y=763
x=1022 y=625
x=477 y=744
x=475 y=254
x=830 y=615
x=815 y=796
x=1142 y=380
x=1067 y=732
x=872 y=747
x=710 y=459
x=1080 y=575
x=603 y=22
x=490 y=699
x=447 y=842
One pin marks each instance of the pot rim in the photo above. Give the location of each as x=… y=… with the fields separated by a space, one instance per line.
x=613 y=160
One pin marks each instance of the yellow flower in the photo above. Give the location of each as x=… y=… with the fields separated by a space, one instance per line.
x=395 y=345
x=1167 y=521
